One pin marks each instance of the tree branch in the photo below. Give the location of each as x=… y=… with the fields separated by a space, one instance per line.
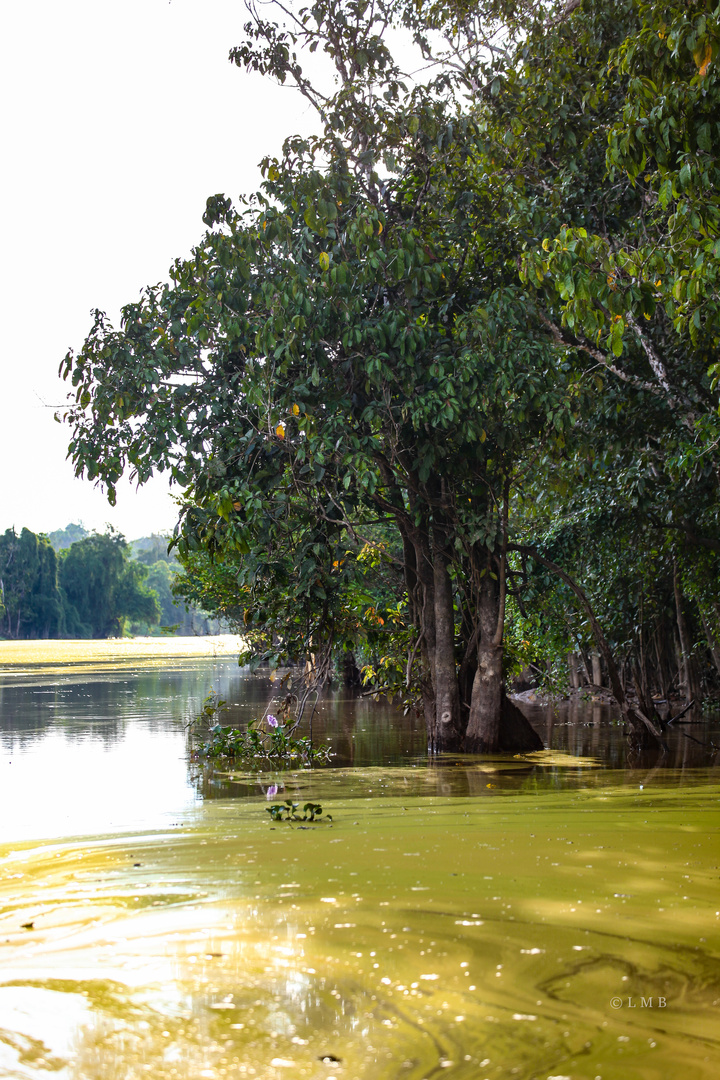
x=639 y=384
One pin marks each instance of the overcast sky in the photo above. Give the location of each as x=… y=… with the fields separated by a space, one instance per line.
x=118 y=120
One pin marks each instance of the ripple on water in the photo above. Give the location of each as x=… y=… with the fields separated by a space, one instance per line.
x=232 y=948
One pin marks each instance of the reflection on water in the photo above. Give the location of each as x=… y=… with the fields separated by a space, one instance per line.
x=533 y=917
x=93 y=739
x=93 y=734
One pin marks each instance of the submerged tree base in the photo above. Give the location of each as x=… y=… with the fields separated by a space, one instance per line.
x=513 y=735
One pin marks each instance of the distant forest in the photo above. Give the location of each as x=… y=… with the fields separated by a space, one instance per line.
x=72 y=583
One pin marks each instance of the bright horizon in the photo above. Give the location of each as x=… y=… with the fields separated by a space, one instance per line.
x=120 y=121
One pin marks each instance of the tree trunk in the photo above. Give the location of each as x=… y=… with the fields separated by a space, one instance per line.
x=663 y=666
x=495 y=725
x=483 y=730
x=644 y=699
x=712 y=641
x=426 y=619
x=596 y=669
x=574 y=672
x=689 y=671
x=469 y=633
x=448 y=732
x=644 y=728
x=352 y=679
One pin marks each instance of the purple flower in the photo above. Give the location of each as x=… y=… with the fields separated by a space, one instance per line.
x=272 y=721
x=271 y=791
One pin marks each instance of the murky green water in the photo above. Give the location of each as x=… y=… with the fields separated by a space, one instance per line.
x=532 y=918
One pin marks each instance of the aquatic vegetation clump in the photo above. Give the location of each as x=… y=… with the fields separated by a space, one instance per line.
x=265 y=740
x=290 y=811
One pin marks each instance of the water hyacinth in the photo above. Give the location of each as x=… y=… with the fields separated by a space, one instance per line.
x=264 y=741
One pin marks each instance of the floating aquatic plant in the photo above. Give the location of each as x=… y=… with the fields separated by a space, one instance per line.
x=290 y=811
x=265 y=740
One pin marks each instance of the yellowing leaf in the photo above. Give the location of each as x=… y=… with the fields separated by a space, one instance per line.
x=483 y=435
x=296 y=410
x=324 y=260
x=280 y=431
x=702 y=57
x=380 y=227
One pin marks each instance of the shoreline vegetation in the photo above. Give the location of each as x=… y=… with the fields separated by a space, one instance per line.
x=75 y=584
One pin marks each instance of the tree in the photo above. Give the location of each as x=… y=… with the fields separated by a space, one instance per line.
x=31 y=603
x=661 y=265
x=102 y=587
x=63 y=538
x=352 y=355
x=346 y=333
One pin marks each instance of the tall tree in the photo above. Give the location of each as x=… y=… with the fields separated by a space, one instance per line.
x=353 y=349
x=31 y=600
x=102 y=587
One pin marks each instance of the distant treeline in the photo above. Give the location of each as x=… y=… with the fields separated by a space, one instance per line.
x=75 y=584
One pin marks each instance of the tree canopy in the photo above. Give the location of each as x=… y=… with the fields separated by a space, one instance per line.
x=31 y=603
x=440 y=331
x=91 y=588
x=103 y=587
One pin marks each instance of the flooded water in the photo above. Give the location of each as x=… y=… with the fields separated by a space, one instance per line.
x=545 y=916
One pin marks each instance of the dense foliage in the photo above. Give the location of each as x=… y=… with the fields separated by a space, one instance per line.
x=31 y=604
x=75 y=584
x=440 y=393
x=102 y=587
x=90 y=589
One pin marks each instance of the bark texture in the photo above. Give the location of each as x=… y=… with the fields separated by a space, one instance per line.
x=495 y=724
x=463 y=695
x=447 y=695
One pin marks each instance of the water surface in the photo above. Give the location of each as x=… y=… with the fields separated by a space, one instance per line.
x=533 y=917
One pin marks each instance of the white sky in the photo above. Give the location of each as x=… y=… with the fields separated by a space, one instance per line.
x=118 y=119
